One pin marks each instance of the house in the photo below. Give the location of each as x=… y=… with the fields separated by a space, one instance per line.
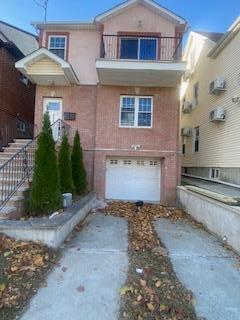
x=116 y=79
x=211 y=106
x=17 y=94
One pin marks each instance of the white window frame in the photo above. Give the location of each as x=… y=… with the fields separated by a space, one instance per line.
x=139 y=45
x=195 y=97
x=136 y=109
x=58 y=36
x=194 y=139
x=214 y=173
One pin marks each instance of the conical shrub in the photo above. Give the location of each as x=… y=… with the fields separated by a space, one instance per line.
x=45 y=196
x=65 y=170
x=78 y=170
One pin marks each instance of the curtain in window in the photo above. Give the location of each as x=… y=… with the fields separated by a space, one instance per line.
x=129 y=48
x=148 y=49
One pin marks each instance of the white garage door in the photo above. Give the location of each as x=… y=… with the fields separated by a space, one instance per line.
x=133 y=179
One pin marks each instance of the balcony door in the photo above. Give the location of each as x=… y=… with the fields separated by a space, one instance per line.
x=138 y=48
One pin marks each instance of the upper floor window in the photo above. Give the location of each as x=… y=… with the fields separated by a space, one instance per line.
x=195 y=94
x=136 y=112
x=138 y=48
x=57 y=45
x=196 y=139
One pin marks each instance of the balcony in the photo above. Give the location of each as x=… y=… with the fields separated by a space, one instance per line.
x=142 y=61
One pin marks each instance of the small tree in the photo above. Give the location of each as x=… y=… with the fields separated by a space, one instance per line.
x=66 y=182
x=78 y=170
x=45 y=193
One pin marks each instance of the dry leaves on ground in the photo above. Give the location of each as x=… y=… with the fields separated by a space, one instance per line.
x=155 y=293
x=22 y=267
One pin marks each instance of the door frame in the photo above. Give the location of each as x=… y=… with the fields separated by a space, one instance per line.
x=45 y=99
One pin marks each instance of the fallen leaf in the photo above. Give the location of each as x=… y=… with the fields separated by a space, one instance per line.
x=38 y=261
x=2 y=287
x=150 y=306
x=158 y=284
x=143 y=283
x=125 y=290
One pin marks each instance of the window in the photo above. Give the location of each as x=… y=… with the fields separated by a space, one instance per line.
x=196 y=139
x=138 y=48
x=136 y=112
x=184 y=145
x=24 y=79
x=57 y=45
x=195 y=94
x=214 y=173
x=21 y=126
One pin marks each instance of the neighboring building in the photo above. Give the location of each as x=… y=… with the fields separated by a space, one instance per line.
x=17 y=94
x=116 y=80
x=210 y=117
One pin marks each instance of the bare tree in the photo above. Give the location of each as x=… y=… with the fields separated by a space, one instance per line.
x=43 y=4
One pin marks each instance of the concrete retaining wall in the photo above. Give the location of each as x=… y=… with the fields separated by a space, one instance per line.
x=51 y=232
x=219 y=218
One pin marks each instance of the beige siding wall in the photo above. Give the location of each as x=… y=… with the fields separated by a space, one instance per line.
x=219 y=143
x=45 y=66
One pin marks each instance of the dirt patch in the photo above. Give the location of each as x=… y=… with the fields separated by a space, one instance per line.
x=23 y=268
x=152 y=290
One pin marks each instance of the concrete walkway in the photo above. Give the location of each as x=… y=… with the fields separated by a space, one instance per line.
x=213 y=186
x=93 y=267
x=211 y=272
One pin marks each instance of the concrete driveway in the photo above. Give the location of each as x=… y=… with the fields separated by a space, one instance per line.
x=205 y=267
x=85 y=285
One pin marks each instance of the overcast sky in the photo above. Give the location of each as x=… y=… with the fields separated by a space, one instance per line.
x=204 y=15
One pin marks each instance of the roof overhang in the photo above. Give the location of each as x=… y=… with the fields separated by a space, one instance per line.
x=65 y=76
x=229 y=35
x=67 y=25
x=140 y=73
x=148 y=3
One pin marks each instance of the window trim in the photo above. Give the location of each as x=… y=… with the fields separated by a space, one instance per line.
x=194 y=139
x=196 y=97
x=139 y=47
x=136 y=106
x=58 y=34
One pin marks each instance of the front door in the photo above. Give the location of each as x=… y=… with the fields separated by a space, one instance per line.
x=54 y=109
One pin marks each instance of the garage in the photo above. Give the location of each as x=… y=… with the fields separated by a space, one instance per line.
x=133 y=179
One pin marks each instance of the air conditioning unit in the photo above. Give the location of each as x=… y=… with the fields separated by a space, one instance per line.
x=217 y=114
x=218 y=85
x=186 y=107
x=186 y=132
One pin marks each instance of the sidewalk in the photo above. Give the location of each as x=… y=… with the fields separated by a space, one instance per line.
x=85 y=285
x=205 y=267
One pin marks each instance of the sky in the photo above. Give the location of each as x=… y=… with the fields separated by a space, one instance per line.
x=202 y=15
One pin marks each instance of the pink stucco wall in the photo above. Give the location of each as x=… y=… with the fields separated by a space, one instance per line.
x=129 y=21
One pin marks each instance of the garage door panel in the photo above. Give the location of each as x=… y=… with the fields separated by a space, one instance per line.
x=133 y=179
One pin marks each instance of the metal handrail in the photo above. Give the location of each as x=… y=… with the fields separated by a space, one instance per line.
x=17 y=169
x=13 y=127
x=168 y=48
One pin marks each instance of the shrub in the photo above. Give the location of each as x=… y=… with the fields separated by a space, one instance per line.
x=65 y=170
x=78 y=170
x=45 y=193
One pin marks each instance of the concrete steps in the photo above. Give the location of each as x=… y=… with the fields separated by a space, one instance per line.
x=15 y=206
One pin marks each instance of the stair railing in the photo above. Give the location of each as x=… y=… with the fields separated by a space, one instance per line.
x=18 y=168
x=14 y=128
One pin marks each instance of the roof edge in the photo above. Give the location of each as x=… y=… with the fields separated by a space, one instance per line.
x=127 y=3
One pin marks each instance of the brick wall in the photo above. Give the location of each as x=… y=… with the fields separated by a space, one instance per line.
x=15 y=97
x=97 y=119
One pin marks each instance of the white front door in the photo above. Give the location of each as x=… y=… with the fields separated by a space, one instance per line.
x=54 y=109
x=133 y=179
